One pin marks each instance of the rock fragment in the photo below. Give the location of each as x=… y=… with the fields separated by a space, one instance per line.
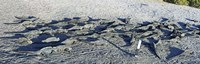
x=70 y=41
x=53 y=50
x=24 y=41
x=23 y=19
x=51 y=39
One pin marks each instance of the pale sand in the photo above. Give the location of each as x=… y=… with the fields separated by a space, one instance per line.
x=139 y=10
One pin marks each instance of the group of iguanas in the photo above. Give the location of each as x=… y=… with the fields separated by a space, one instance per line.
x=81 y=29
